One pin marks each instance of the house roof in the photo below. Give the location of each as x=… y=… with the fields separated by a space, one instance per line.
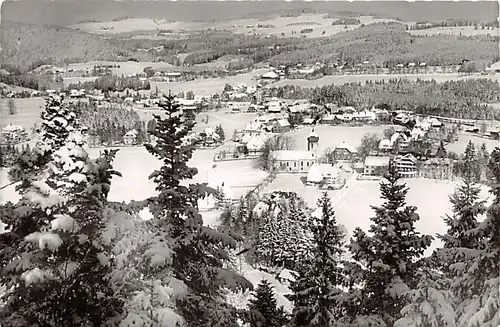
x=11 y=128
x=385 y=143
x=377 y=161
x=318 y=171
x=270 y=75
x=293 y=155
x=255 y=143
x=407 y=156
x=346 y=146
x=283 y=122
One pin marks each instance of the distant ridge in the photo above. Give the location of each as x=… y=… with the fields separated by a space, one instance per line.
x=67 y=12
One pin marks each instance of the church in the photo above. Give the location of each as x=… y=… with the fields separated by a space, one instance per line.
x=294 y=161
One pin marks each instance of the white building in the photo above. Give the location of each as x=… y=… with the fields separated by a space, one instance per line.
x=375 y=165
x=293 y=161
x=130 y=138
x=326 y=173
x=406 y=165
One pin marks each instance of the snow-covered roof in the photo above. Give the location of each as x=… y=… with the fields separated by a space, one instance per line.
x=308 y=121
x=293 y=155
x=131 y=133
x=377 y=161
x=315 y=175
x=270 y=75
x=318 y=171
x=344 y=145
x=283 y=122
x=405 y=157
x=255 y=143
x=396 y=135
x=495 y=66
x=12 y=128
x=385 y=143
x=287 y=274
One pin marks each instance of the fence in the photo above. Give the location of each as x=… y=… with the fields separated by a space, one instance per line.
x=268 y=180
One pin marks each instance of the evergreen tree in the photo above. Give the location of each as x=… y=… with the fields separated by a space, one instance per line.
x=484 y=271
x=317 y=294
x=483 y=158
x=461 y=240
x=58 y=121
x=263 y=308
x=389 y=257
x=430 y=303
x=220 y=131
x=55 y=261
x=199 y=252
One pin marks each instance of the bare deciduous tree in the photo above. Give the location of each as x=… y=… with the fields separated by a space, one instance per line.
x=275 y=143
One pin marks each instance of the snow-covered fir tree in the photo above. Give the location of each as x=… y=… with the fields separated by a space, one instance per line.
x=461 y=239
x=55 y=261
x=284 y=236
x=263 y=308
x=483 y=309
x=388 y=259
x=430 y=302
x=58 y=121
x=199 y=253
x=318 y=295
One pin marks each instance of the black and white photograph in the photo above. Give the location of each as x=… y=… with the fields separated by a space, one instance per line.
x=199 y=163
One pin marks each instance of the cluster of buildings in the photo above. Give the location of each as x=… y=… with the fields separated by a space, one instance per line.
x=13 y=134
x=343 y=158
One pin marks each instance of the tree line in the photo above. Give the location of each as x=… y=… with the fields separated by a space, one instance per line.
x=465 y=99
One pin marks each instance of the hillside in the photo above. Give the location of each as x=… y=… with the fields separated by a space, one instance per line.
x=25 y=46
x=389 y=43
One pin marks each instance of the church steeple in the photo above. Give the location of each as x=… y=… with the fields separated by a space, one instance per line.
x=312 y=141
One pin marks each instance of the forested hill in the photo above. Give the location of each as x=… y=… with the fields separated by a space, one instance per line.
x=26 y=46
x=389 y=43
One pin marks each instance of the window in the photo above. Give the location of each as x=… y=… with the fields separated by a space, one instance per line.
x=295 y=164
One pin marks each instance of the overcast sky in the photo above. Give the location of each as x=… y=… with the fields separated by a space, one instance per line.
x=65 y=12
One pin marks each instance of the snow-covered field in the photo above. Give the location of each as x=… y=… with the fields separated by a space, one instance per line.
x=344 y=79
x=464 y=138
x=321 y=25
x=209 y=86
x=136 y=164
x=352 y=204
x=28 y=112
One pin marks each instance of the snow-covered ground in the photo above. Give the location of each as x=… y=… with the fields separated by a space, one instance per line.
x=352 y=203
x=136 y=164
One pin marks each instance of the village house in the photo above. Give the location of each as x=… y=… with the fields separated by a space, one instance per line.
x=188 y=105
x=130 y=138
x=270 y=77
x=255 y=144
x=292 y=161
x=376 y=165
x=273 y=106
x=281 y=126
x=406 y=165
x=399 y=139
x=14 y=133
x=365 y=116
x=209 y=137
x=343 y=152
x=436 y=168
x=321 y=173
